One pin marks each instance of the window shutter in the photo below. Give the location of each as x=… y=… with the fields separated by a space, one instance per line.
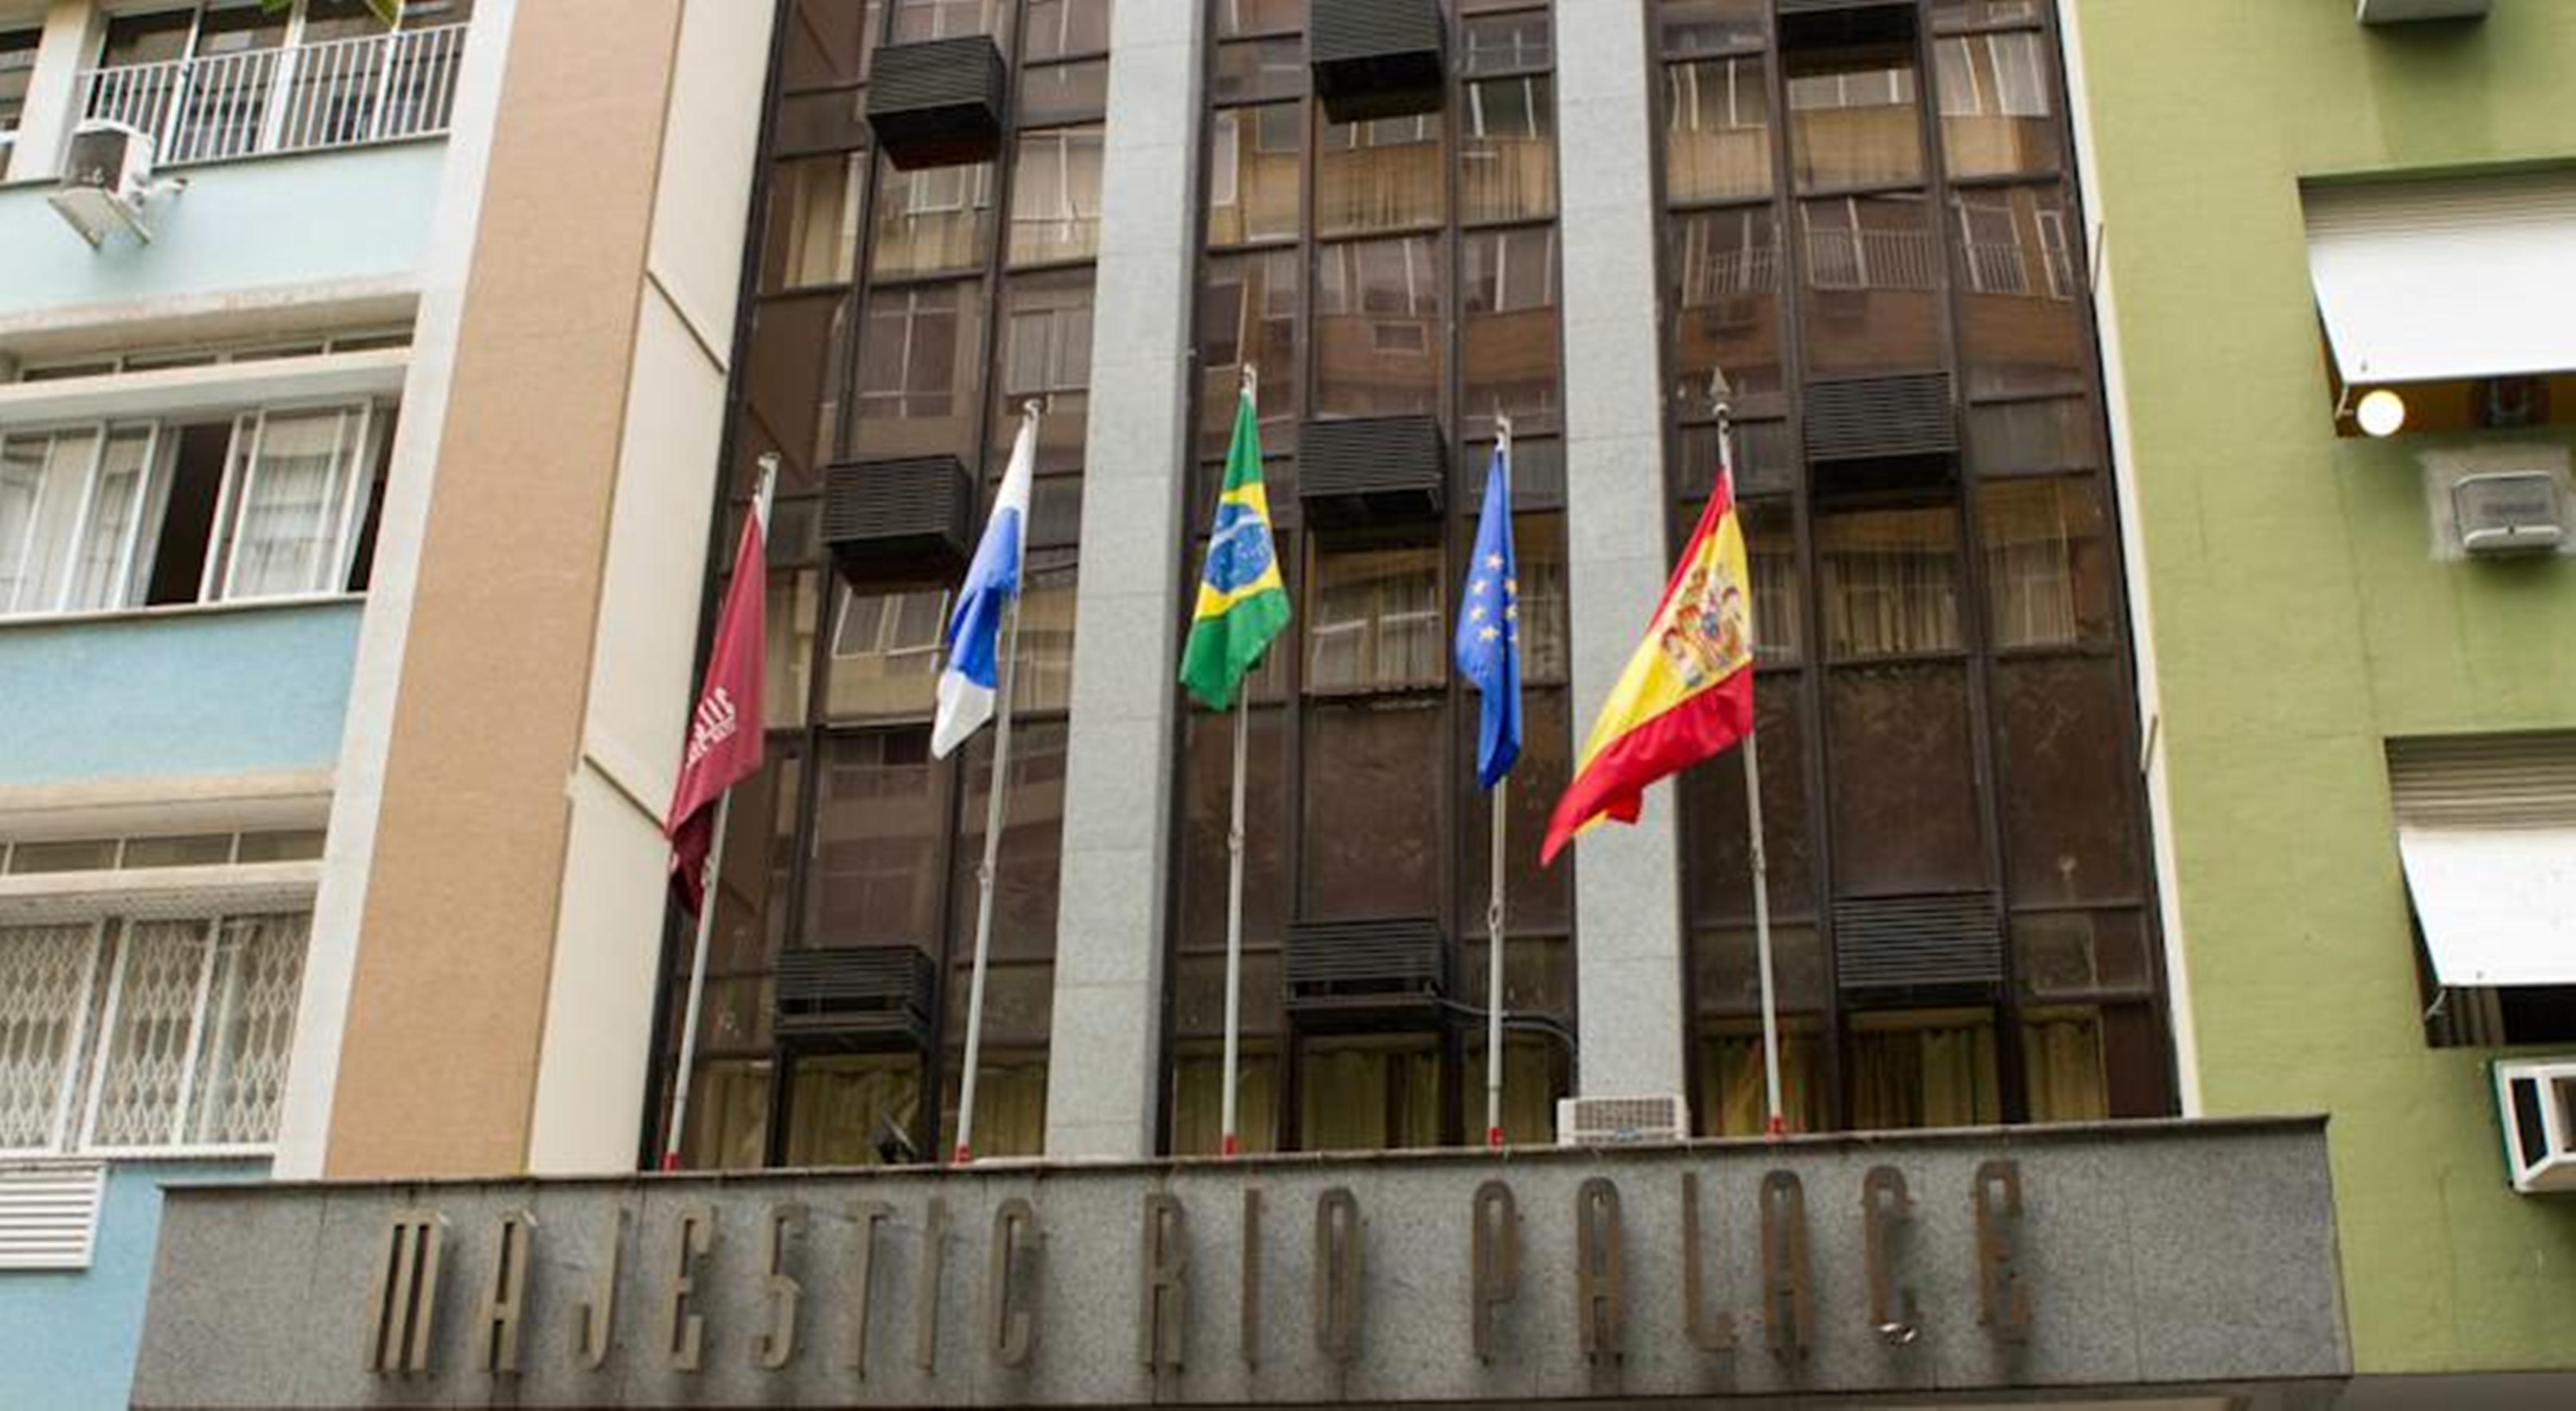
x=49 y=1213
x=2485 y=781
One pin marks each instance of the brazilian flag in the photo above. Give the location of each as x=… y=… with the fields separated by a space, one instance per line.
x=1243 y=602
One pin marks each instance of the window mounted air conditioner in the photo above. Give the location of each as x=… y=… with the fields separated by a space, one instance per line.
x=105 y=181
x=2536 y=1105
x=2508 y=512
x=1621 y=1121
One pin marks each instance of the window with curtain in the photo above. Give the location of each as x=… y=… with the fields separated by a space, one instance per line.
x=842 y=1101
x=147 y=1033
x=1055 y=196
x=294 y=501
x=1717 y=129
x=1198 y=1098
x=1507 y=149
x=1369 y=1094
x=1377 y=621
x=1931 y=1069
x=1735 y=1096
x=1891 y=580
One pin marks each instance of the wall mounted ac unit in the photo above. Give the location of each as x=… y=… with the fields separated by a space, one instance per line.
x=2508 y=512
x=105 y=180
x=2396 y=11
x=2536 y=1105
x=1621 y=1121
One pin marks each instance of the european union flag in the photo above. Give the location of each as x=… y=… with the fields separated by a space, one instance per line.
x=1489 y=626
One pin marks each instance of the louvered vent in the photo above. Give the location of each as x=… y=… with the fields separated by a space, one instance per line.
x=49 y=1213
x=897 y=520
x=1866 y=418
x=855 y=998
x=1377 y=58
x=937 y=103
x=1929 y=942
x=2484 y=781
x=1371 y=471
x=1366 y=971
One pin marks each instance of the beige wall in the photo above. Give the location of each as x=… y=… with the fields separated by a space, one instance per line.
x=519 y=745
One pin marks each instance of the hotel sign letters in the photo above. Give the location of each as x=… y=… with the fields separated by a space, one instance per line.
x=2182 y=1255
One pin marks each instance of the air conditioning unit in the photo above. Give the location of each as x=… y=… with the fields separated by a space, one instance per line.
x=105 y=180
x=1621 y=1121
x=2508 y=512
x=2397 y=11
x=2536 y=1105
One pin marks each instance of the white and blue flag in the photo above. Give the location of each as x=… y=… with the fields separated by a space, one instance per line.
x=969 y=685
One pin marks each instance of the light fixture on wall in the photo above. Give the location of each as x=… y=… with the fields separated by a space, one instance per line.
x=2381 y=413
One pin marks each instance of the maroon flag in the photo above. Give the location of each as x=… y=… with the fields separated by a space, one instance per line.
x=725 y=732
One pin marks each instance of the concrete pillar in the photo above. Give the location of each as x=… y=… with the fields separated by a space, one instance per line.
x=72 y=29
x=1106 y=1063
x=1627 y=896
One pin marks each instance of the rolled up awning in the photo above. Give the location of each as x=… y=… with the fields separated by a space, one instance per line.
x=2486 y=828
x=2435 y=280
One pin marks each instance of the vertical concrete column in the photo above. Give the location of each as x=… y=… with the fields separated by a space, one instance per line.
x=1106 y=1063
x=1626 y=895
x=72 y=28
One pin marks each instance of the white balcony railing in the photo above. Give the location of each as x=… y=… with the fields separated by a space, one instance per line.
x=338 y=94
x=1872 y=259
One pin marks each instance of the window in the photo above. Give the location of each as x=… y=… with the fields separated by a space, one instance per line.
x=1717 y=119
x=147 y=1033
x=115 y=516
x=2487 y=840
x=1377 y=621
x=1055 y=197
x=17 y=67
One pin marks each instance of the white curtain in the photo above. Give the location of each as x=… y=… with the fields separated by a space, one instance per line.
x=43 y=480
x=291 y=491
x=109 y=556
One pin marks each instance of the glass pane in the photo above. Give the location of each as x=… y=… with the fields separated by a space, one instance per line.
x=2048 y=562
x=1055 y=28
x=1947 y=14
x=1055 y=196
x=1718 y=870
x=1010 y=1089
x=1934 y=1069
x=933 y=220
x=248 y=1029
x=1377 y=328
x=112 y=554
x=1385 y=174
x=1505 y=43
x=1374 y=621
x=1891 y=580
x=813 y=235
x=2062 y=1064
x=1728 y=312
x=1998 y=108
x=17 y=68
x=146 y=39
x=949 y=19
x=290 y=845
x=1717 y=129
x=728 y=1117
x=292 y=503
x=788 y=375
x=843 y=1107
x=1206 y=799
x=826 y=43
x=1711 y=26
x=885 y=654
x=45 y=984
x=791 y=615
x=1852 y=116
x=1510 y=333
x=1198 y=994
x=1247 y=313
x=1045 y=356
x=2069 y=811
x=1727 y=969
x=1198 y=1100
x=193 y=850
x=1876 y=272
x=831 y=121
x=1063 y=93
x=2012 y=437
x=1369 y=1094
x=1734 y=1094
x=1536 y=898
x=1374 y=822
x=1538 y=541
x=919 y=359
x=144 y=1057
x=1905 y=814
x=1507 y=150
x=881 y=815
x=1538 y=971
x=1253 y=173
x=2080 y=952
x=1535 y=1075
x=1260 y=68
x=1024 y=880
x=2022 y=331
x=43 y=480
x=74 y=855
x=759 y=855
x=1239 y=17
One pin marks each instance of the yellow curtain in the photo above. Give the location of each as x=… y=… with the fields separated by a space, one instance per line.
x=728 y=1117
x=840 y=1102
x=2063 y=1051
x=1924 y=1071
x=1533 y=1080
x=1367 y=1096
x=1198 y=1113
x=1734 y=1095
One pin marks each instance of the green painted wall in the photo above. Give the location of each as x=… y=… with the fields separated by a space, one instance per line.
x=2300 y=617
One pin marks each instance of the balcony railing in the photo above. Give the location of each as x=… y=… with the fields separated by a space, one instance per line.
x=349 y=91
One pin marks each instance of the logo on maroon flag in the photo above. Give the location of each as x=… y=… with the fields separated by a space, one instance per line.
x=724 y=732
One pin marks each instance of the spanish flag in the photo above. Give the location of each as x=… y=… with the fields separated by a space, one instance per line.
x=1688 y=690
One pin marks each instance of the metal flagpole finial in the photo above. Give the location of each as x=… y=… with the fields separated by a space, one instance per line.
x=1722 y=394
x=1251 y=380
x=1035 y=407
x=1502 y=425
x=766 y=491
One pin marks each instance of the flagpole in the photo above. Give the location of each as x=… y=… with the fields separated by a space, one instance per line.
x=707 y=895
x=1499 y=808
x=986 y=871
x=1775 y=1121
x=1229 y=1142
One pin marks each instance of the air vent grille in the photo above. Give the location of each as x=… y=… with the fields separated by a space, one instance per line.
x=1371 y=471
x=1944 y=941
x=894 y=520
x=937 y=102
x=858 y=997
x=1864 y=418
x=49 y=1213
x=1366 y=969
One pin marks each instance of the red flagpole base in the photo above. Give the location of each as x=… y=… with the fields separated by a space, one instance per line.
x=1494 y=1138
x=1777 y=1127
x=962 y=1156
x=1233 y=1145
x=670 y=1161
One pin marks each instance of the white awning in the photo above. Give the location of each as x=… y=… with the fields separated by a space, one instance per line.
x=2422 y=281
x=2486 y=827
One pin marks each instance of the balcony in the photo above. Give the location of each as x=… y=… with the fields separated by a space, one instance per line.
x=344 y=93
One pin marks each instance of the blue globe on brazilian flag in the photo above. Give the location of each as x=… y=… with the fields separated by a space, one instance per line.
x=1243 y=602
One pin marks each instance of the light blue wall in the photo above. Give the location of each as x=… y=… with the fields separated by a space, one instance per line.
x=312 y=218
x=69 y=1337
x=240 y=691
